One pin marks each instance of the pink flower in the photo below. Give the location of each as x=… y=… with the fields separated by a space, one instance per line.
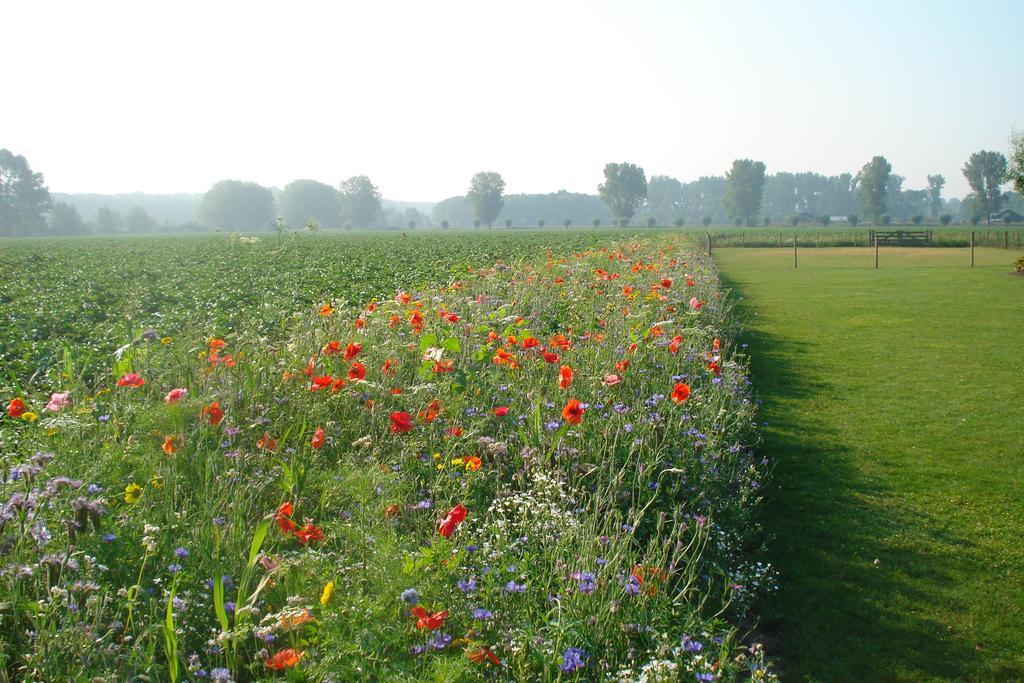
x=175 y=395
x=131 y=380
x=695 y=303
x=58 y=401
x=611 y=380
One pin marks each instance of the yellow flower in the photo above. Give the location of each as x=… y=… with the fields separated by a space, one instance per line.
x=157 y=483
x=29 y=416
x=457 y=461
x=132 y=493
x=325 y=597
x=165 y=340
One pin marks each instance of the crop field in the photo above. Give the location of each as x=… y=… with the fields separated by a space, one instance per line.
x=894 y=410
x=481 y=457
x=522 y=455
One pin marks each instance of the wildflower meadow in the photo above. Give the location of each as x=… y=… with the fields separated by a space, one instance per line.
x=534 y=468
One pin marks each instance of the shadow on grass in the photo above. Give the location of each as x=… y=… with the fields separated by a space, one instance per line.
x=839 y=616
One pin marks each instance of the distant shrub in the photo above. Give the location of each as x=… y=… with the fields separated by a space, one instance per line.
x=411 y=225
x=541 y=223
x=738 y=222
x=445 y=225
x=975 y=219
x=886 y=219
x=916 y=219
x=508 y=222
x=567 y=222
x=852 y=219
x=651 y=222
x=679 y=222
x=794 y=221
x=767 y=221
x=476 y=223
x=597 y=222
x=945 y=219
x=706 y=221
x=825 y=220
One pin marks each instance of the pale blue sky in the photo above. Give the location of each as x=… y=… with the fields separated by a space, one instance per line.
x=165 y=97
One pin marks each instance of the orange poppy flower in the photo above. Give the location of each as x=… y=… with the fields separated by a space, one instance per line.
x=716 y=345
x=426 y=620
x=212 y=413
x=403 y=298
x=503 y=357
x=454 y=431
x=353 y=350
x=562 y=342
x=319 y=438
x=321 y=382
x=393 y=321
x=622 y=365
x=481 y=655
x=267 y=442
x=673 y=346
x=16 y=408
x=338 y=383
x=130 y=380
x=573 y=412
x=282 y=517
x=310 y=532
x=360 y=323
x=714 y=368
x=431 y=412
x=326 y=310
x=680 y=392
x=416 y=320
x=443 y=366
x=530 y=342
x=332 y=348
x=401 y=422
x=392 y=510
x=217 y=343
x=491 y=336
x=283 y=659
x=473 y=463
x=168 y=446
x=565 y=377
x=292 y=621
x=357 y=371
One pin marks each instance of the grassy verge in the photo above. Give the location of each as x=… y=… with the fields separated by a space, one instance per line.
x=895 y=407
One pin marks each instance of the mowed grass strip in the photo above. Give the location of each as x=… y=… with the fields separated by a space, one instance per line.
x=895 y=407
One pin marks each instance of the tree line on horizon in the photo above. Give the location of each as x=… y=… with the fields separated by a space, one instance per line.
x=744 y=195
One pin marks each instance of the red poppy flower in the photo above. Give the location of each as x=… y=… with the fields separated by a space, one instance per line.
x=16 y=408
x=130 y=380
x=338 y=383
x=319 y=438
x=666 y=283
x=622 y=365
x=310 y=532
x=401 y=422
x=573 y=412
x=491 y=336
x=677 y=340
x=212 y=413
x=562 y=342
x=353 y=350
x=716 y=345
x=680 y=392
x=443 y=366
x=565 y=377
x=283 y=518
x=357 y=371
x=416 y=320
x=452 y=520
x=332 y=348
x=321 y=382
x=550 y=357
x=689 y=281
x=503 y=357
x=388 y=368
x=530 y=342
x=310 y=366
x=217 y=343
x=500 y=411
x=326 y=310
x=283 y=659
x=714 y=368
x=455 y=431
x=426 y=620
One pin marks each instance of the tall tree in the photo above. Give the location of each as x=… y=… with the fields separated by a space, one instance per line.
x=985 y=172
x=624 y=187
x=744 y=188
x=935 y=184
x=238 y=205
x=1015 y=172
x=360 y=201
x=24 y=199
x=305 y=199
x=664 y=197
x=108 y=221
x=871 y=189
x=485 y=196
x=138 y=220
x=65 y=220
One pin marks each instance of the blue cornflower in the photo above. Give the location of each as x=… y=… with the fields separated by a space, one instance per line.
x=467 y=585
x=574 y=658
x=481 y=614
x=174 y=568
x=180 y=553
x=440 y=641
x=513 y=587
x=632 y=585
x=410 y=596
x=587 y=582
x=691 y=645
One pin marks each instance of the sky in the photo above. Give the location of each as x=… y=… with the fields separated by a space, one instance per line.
x=113 y=97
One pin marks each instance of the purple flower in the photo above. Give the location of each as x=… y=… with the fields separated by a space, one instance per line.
x=705 y=677
x=410 y=596
x=513 y=587
x=467 y=585
x=632 y=585
x=691 y=645
x=180 y=553
x=440 y=641
x=574 y=658
x=587 y=582
x=481 y=614
x=174 y=568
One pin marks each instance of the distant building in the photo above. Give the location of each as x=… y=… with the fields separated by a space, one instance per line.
x=1006 y=216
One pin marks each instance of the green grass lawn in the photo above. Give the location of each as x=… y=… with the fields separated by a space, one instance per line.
x=895 y=407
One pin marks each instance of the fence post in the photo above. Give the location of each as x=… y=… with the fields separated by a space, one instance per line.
x=1006 y=239
x=794 y=250
x=972 y=248
x=709 y=244
x=743 y=239
x=780 y=239
x=876 y=251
